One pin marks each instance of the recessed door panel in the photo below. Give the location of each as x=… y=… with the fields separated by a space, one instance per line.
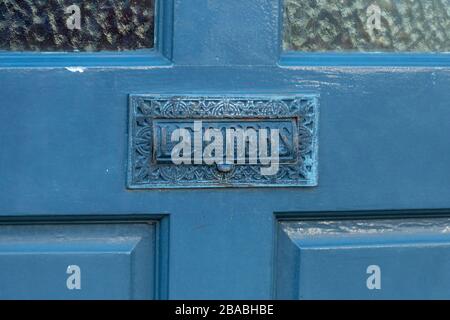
x=364 y=259
x=86 y=261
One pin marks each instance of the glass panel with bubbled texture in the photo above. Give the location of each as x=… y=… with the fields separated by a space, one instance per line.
x=367 y=25
x=76 y=25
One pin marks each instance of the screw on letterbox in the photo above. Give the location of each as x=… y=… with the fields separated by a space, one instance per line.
x=225 y=168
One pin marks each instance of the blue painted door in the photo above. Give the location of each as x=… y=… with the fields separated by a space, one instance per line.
x=84 y=216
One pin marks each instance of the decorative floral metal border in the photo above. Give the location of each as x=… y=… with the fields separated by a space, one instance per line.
x=143 y=174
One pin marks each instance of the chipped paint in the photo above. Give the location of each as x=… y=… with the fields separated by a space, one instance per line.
x=75 y=69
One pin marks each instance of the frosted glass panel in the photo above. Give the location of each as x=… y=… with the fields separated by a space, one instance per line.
x=76 y=25
x=367 y=25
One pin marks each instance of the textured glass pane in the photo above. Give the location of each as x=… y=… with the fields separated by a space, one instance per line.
x=367 y=25
x=76 y=25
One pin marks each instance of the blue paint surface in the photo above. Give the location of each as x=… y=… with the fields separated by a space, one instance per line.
x=115 y=261
x=363 y=259
x=383 y=142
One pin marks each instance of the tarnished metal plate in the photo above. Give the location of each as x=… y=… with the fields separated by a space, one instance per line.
x=155 y=120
